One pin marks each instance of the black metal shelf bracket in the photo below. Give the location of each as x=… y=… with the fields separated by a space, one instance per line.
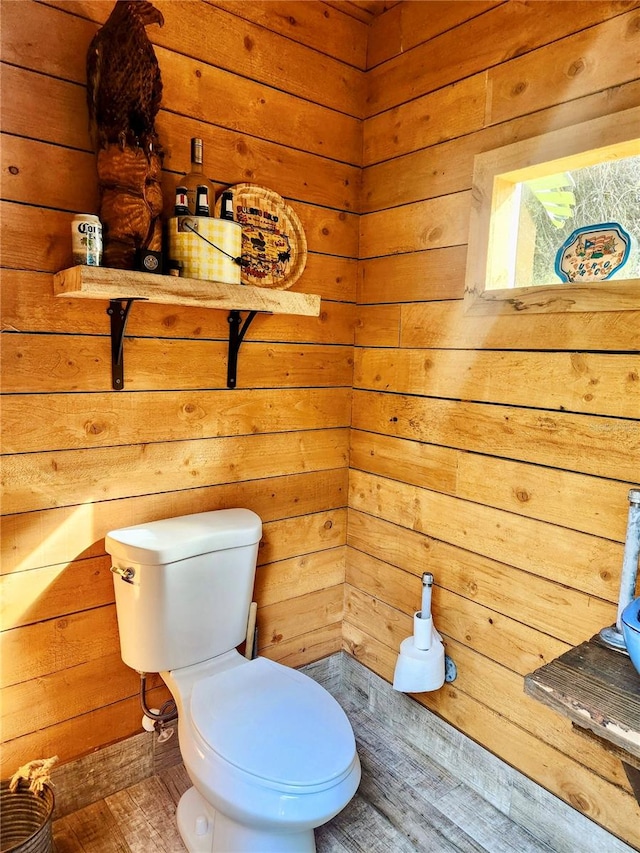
x=236 y=336
x=118 y=311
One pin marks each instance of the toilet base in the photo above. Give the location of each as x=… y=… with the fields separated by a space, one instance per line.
x=205 y=830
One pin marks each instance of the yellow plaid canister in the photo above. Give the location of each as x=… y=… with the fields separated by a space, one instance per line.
x=201 y=259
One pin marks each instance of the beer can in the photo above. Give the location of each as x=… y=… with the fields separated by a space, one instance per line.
x=86 y=240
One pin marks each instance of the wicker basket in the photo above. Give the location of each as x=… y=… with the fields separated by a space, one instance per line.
x=25 y=822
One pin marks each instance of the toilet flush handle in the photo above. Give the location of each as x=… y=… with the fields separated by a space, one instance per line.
x=127 y=574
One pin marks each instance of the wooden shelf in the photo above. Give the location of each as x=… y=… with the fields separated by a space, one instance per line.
x=598 y=689
x=124 y=287
x=83 y=282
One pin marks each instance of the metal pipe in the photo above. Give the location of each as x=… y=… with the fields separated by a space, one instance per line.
x=629 y=575
x=613 y=636
x=427 y=583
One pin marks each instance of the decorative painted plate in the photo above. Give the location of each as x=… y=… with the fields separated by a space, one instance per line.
x=593 y=253
x=274 y=247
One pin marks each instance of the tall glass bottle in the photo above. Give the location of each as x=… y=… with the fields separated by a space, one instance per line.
x=195 y=178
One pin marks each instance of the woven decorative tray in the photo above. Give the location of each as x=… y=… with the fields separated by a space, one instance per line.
x=274 y=247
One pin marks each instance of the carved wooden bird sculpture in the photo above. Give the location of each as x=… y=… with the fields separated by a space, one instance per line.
x=124 y=92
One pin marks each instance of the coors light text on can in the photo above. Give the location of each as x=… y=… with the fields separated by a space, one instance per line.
x=86 y=240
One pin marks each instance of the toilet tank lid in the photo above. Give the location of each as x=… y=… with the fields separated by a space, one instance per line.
x=172 y=539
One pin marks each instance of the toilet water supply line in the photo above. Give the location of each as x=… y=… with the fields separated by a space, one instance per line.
x=613 y=636
x=166 y=714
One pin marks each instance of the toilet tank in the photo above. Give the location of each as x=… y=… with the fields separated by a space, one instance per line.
x=183 y=586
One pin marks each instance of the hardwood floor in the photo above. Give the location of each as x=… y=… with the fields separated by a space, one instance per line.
x=405 y=803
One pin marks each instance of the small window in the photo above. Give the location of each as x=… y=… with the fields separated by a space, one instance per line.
x=558 y=233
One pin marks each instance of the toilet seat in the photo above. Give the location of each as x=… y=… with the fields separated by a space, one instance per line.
x=274 y=724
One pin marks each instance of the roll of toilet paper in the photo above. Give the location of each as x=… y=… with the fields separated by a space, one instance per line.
x=417 y=670
x=422 y=631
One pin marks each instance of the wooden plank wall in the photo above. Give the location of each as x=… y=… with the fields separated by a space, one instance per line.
x=276 y=92
x=495 y=452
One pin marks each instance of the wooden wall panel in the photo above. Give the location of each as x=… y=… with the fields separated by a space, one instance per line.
x=54 y=422
x=58 y=536
x=430 y=224
x=233 y=42
x=362 y=10
x=545 y=604
x=79 y=459
x=433 y=118
x=418 y=170
x=413 y=277
x=68 y=363
x=247 y=103
x=589 y=383
x=35 y=481
x=63 y=122
x=499 y=698
x=286 y=579
x=404 y=27
x=35 y=704
x=445 y=325
x=436 y=62
x=485 y=450
x=81 y=735
x=230 y=156
x=315 y=25
x=576 y=65
x=558 y=439
x=575 y=559
x=547 y=494
x=379 y=324
x=325 y=230
x=278 y=621
x=30 y=597
x=499 y=637
x=248 y=107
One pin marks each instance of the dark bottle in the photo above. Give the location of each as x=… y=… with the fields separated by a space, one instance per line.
x=202 y=200
x=226 y=205
x=182 y=207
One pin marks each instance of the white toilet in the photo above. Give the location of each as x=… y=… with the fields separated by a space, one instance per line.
x=270 y=753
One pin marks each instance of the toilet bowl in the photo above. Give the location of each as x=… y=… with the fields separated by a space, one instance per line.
x=271 y=755
x=270 y=752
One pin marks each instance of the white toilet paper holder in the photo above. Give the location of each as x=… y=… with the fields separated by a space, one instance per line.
x=422 y=665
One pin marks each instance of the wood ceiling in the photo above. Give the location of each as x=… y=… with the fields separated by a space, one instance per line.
x=363 y=10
